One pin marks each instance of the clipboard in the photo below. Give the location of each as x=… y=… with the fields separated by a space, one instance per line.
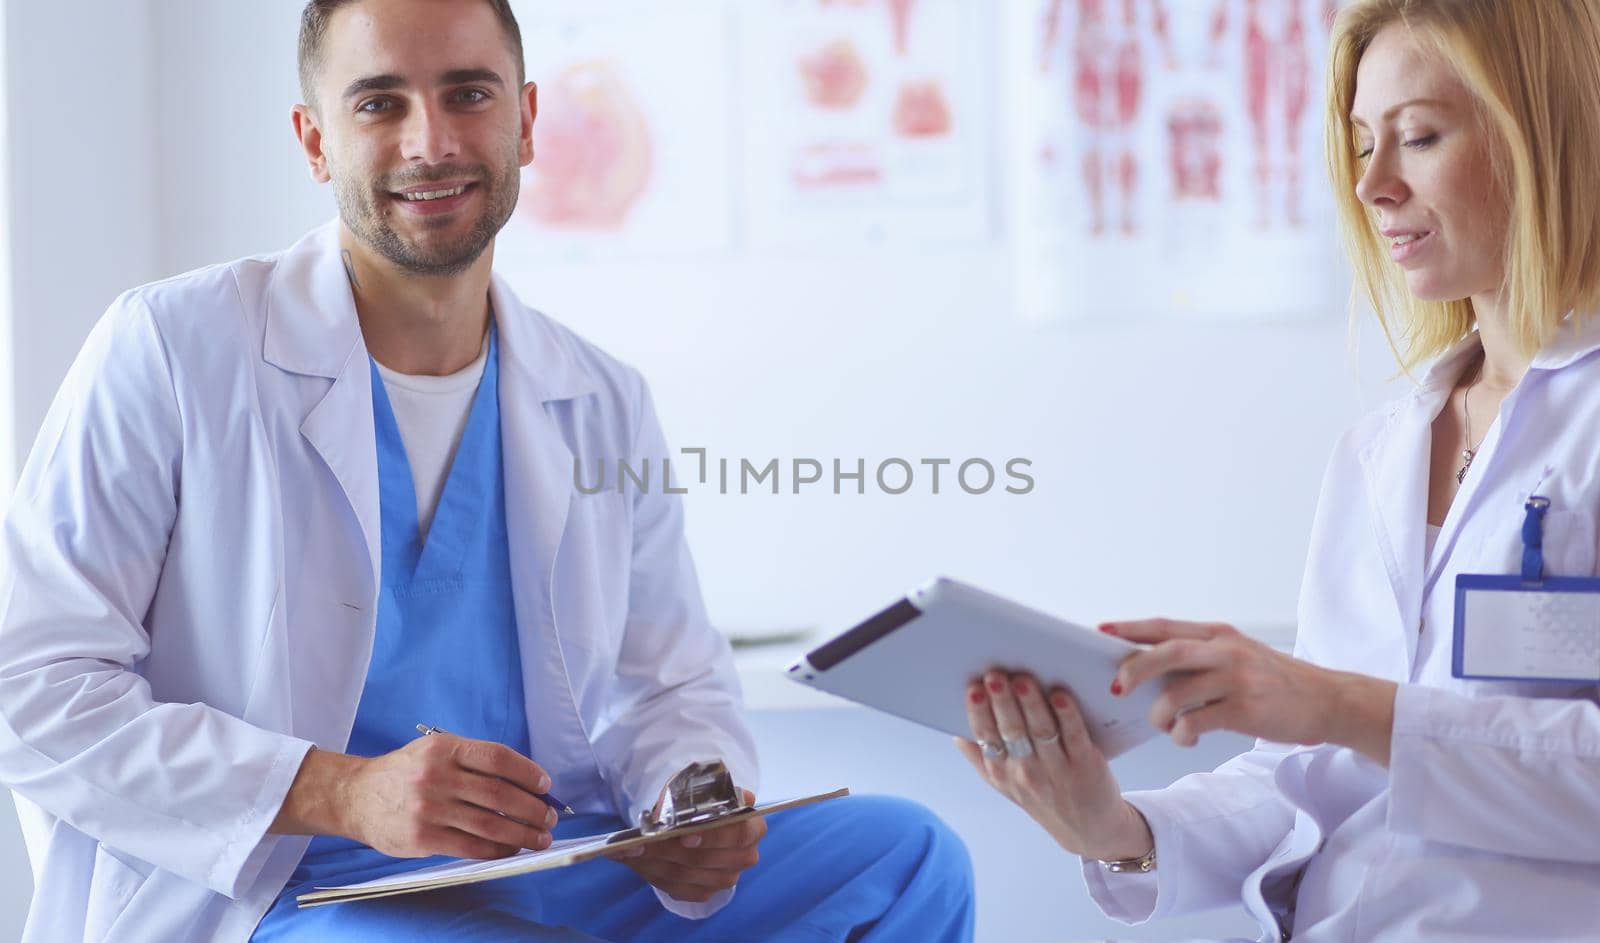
x=697 y=800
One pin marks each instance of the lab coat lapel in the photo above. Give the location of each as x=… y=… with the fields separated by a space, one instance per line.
x=538 y=470
x=538 y=377
x=312 y=329
x=1395 y=466
x=537 y=373
x=340 y=429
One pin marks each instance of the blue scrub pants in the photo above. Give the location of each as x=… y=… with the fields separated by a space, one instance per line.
x=861 y=868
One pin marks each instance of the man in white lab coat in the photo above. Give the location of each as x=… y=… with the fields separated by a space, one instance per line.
x=206 y=597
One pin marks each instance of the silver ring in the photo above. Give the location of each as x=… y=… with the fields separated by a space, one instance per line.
x=991 y=750
x=1019 y=747
x=1046 y=741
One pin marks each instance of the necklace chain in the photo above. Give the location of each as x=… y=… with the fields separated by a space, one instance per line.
x=1468 y=453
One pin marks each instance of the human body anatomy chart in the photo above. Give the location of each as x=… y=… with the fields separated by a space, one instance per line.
x=1168 y=158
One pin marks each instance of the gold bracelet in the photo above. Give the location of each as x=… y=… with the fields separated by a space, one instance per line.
x=1142 y=864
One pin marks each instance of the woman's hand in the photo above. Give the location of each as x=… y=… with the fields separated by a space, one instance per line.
x=1054 y=773
x=1225 y=680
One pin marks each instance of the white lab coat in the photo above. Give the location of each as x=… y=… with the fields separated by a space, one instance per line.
x=190 y=579
x=1485 y=824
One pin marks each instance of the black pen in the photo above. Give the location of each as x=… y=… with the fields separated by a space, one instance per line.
x=546 y=798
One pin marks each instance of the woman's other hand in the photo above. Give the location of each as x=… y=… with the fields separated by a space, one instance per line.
x=1051 y=768
x=1225 y=680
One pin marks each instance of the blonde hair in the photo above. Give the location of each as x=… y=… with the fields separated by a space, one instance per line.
x=1533 y=67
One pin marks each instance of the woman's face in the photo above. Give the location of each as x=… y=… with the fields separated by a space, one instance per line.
x=1426 y=171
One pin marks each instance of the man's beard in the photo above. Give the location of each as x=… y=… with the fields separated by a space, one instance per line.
x=368 y=213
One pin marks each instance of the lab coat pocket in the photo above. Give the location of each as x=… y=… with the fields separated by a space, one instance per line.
x=268 y=679
x=116 y=879
x=1569 y=546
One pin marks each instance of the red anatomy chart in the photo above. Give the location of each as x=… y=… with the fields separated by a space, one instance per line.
x=596 y=151
x=869 y=47
x=863 y=120
x=632 y=140
x=1149 y=120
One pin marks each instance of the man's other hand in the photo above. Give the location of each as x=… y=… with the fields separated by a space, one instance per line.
x=696 y=867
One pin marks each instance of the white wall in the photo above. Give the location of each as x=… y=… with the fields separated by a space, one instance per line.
x=16 y=882
x=82 y=133
x=84 y=208
x=8 y=452
x=232 y=177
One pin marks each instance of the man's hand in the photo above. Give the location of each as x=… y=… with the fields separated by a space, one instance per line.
x=696 y=867
x=437 y=795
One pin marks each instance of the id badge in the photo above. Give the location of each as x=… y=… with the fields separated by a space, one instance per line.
x=1527 y=627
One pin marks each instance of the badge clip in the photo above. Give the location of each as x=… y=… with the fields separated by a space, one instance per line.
x=1533 y=540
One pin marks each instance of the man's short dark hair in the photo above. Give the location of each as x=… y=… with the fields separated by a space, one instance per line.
x=314 y=26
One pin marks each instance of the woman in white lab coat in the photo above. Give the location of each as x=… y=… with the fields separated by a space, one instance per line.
x=1387 y=798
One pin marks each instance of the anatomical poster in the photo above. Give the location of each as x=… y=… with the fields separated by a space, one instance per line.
x=865 y=121
x=632 y=144
x=1169 y=161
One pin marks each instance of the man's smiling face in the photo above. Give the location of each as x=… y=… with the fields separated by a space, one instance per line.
x=423 y=129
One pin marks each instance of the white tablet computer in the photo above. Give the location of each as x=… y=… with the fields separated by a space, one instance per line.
x=916 y=658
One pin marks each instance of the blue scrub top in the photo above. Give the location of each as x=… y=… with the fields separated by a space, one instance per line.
x=446 y=651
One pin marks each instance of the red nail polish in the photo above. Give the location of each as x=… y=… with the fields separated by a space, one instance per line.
x=997 y=685
x=1108 y=628
x=977 y=696
x=1020 y=685
x=1059 y=700
x=1116 y=687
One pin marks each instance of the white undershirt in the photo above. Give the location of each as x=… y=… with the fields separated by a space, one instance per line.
x=432 y=414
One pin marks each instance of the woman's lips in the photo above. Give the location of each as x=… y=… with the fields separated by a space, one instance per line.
x=1401 y=252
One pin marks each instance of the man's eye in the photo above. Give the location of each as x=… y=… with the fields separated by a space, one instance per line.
x=472 y=96
x=374 y=106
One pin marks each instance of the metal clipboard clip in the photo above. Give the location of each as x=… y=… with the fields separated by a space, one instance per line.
x=699 y=793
